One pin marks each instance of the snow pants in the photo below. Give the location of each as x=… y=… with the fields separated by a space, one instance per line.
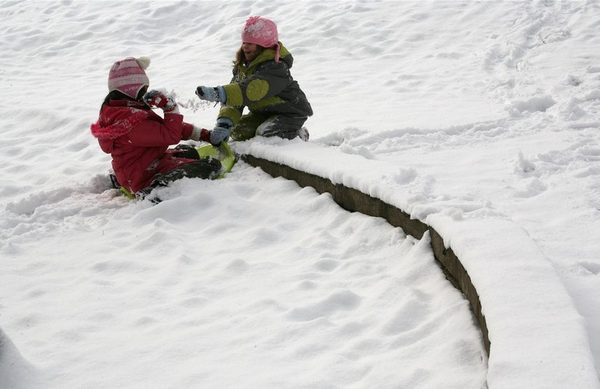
x=207 y=168
x=283 y=126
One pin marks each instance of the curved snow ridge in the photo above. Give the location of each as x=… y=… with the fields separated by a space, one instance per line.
x=533 y=333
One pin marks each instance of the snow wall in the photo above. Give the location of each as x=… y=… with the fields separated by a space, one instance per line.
x=356 y=201
x=523 y=352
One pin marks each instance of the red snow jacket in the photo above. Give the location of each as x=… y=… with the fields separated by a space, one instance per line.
x=137 y=139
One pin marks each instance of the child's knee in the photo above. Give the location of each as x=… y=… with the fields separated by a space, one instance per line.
x=242 y=132
x=282 y=126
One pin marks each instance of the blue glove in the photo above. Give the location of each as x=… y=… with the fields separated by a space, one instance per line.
x=215 y=94
x=221 y=131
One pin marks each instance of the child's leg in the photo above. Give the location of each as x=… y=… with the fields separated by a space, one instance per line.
x=283 y=126
x=184 y=151
x=202 y=168
x=246 y=127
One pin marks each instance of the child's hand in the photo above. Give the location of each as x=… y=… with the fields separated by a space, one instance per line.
x=157 y=99
x=213 y=94
x=221 y=131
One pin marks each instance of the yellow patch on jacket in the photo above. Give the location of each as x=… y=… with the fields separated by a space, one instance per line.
x=257 y=89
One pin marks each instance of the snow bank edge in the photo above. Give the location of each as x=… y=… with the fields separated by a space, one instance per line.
x=356 y=201
x=563 y=358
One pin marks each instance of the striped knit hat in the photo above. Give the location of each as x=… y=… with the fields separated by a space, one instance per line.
x=128 y=76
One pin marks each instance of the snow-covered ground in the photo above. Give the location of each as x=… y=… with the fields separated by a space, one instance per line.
x=481 y=118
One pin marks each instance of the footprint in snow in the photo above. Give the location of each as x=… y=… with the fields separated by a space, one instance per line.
x=326 y=265
x=590 y=267
x=411 y=314
x=338 y=301
x=531 y=188
x=362 y=151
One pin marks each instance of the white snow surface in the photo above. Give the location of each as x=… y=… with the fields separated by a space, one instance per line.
x=481 y=119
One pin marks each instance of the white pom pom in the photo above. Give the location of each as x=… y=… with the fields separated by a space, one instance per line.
x=144 y=62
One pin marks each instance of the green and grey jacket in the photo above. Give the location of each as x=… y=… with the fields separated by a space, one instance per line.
x=266 y=87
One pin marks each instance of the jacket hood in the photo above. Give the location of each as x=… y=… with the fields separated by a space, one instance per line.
x=269 y=55
x=115 y=122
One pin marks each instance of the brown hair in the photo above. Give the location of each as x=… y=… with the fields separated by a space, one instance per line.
x=240 y=57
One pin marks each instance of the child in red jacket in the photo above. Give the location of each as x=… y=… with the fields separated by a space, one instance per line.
x=138 y=139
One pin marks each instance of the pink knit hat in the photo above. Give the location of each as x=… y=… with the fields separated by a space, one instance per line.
x=128 y=76
x=263 y=32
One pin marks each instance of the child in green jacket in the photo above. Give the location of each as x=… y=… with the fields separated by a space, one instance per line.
x=262 y=82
